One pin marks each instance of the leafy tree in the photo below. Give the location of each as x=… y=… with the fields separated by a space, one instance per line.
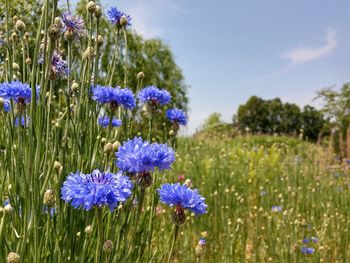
x=213 y=120
x=312 y=122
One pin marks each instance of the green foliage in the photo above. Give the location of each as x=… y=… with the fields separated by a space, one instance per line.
x=214 y=119
x=273 y=116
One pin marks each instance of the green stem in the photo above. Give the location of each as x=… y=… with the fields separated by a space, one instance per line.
x=173 y=243
x=100 y=235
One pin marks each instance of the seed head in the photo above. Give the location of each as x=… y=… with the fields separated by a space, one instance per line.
x=14 y=36
x=75 y=86
x=15 y=67
x=26 y=35
x=99 y=40
x=15 y=18
x=108 y=148
x=28 y=61
x=57 y=166
x=91 y=7
x=98 y=12
x=89 y=53
x=88 y=230
x=140 y=75
x=123 y=20
x=50 y=198
x=108 y=246
x=54 y=32
x=13 y=257
x=20 y=26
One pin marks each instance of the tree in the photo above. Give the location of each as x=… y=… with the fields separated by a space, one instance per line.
x=312 y=122
x=212 y=120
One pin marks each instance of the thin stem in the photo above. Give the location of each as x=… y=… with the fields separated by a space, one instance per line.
x=173 y=243
x=100 y=235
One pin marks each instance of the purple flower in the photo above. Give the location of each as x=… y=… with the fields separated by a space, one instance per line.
x=138 y=156
x=307 y=250
x=20 y=92
x=202 y=242
x=59 y=66
x=155 y=96
x=114 y=96
x=6 y=106
x=24 y=121
x=114 y=16
x=276 y=208
x=96 y=189
x=176 y=116
x=182 y=197
x=105 y=121
x=73 y=25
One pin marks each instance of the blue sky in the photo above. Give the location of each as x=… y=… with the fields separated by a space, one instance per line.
x=229 y=50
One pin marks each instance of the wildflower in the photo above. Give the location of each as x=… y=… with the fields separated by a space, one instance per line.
x=114 y=96
x=105 y=121
x=154 y=96
x=200 y=248
x=5 y=105
x=20 y=92
x=276 y=208
x=182 y=197
x=307 y=250
x=181 y=178
x=176 y=116
x=96 y=189
x=24 y=121
x=74 y=27
x=118 y=18
x=59 y=67
x=138 y=156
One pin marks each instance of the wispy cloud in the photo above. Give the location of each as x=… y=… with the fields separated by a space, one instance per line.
x=151 y=16
x=303 y=55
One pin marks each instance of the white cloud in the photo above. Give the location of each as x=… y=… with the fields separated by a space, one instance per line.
x=150 y=16
x=303 y=55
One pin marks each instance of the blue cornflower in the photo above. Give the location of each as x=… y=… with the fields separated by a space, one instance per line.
x=202 y=242
x=59 y=66
x=6 y=106
x=115 y=16
x=74 y=26
x=114 y=96
x=20 y=92
x=307 y=250
x=96 y=189
x=276 y=208
x=154 y=95
x=138 y=156
x=176 y=116
x=24 y=121
x=7 y=201
x=105 y=121
x=182 y=197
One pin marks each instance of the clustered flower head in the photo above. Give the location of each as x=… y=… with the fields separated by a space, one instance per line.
x=96 y=189
x=73 y=26
x=19 y=92
x=138 y=156
x=114 y=96
x=154 y=96
x=59 y=66
x=307 y=250
x=118 y=18
x=105 y=121
x=176 y=116
x=182 y=197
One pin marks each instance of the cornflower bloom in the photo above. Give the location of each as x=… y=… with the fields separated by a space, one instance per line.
x=114 y=97
x=74 y=26
x=154 y=97
x=118 y=18
x=105 y=121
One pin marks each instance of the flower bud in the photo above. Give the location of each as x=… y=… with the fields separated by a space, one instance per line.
x=108 y=148
x=54 y=32
x=58 y=21
x=75 y=86
x=140 y=75
x=2 y=102
x=57 y=166
x=15 y=67
x=91 y=7
x=13 y=257
x=89 y=53
x=116 y=145
x=171 y=133
x=8 y=209
x=99 y=40
x=123 y=21
x=144 y=180
x=28 y=61
x=20 y=26
x=108 y=246
x=49 y=198
x=188 y=182
x=200 y=248
x=14 y=36
x=98 y=12
x=88 y=230
x=15 y=18
x=26 y=35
